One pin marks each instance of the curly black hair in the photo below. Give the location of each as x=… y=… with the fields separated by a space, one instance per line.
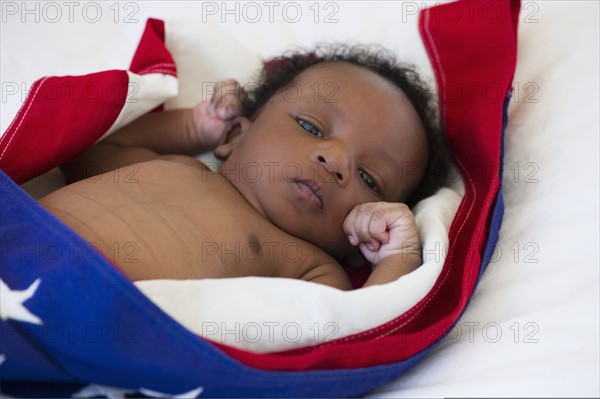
x=277 y=73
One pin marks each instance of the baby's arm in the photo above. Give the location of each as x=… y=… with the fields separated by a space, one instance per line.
x=189 y=131
x=161 y=135
x=387 y=235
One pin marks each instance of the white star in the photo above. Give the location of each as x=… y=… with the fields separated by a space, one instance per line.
x=2 y=358
x=94 y=390
x=11 y=303
x=193 y=394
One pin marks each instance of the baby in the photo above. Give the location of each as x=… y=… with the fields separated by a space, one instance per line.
x=320 y=158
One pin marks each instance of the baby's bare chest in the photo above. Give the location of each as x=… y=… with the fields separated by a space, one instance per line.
x=171 y=221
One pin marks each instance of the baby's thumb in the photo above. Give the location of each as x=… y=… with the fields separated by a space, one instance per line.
x=228 y=112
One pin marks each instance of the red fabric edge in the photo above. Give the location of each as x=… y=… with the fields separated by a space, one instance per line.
x=152 y=55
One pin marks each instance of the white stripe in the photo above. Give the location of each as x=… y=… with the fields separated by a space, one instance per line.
x=144 y=93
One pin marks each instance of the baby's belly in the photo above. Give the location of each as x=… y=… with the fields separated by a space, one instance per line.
x=155 y=233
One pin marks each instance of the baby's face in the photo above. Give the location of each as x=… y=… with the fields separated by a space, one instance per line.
x=337 y=137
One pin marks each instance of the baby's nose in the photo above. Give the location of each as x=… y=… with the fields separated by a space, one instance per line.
x=332 y=167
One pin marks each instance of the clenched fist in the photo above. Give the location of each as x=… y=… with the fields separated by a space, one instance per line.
x=211 y=118
x=382 y=229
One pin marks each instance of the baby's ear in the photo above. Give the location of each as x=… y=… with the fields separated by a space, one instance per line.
x=233 y=132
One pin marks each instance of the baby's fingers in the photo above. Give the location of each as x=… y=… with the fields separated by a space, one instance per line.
x=227 y=92
x=366 y=224
x=226 y=101
x=228 y=112
x=371 y=223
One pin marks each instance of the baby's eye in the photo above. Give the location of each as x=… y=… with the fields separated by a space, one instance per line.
x=309 y=127
x=369 y=181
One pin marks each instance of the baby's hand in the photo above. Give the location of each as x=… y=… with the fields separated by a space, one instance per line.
x=211 y=118
x=381 y=229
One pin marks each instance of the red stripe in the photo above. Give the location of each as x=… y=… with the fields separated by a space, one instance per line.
x=61 y=117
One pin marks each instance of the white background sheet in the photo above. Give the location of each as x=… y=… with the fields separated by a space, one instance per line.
x=532 y=327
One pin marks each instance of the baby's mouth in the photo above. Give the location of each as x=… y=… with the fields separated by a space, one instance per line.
x=311 y=192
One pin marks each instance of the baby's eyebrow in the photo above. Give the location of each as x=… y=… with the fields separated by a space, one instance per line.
x=328 y=101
